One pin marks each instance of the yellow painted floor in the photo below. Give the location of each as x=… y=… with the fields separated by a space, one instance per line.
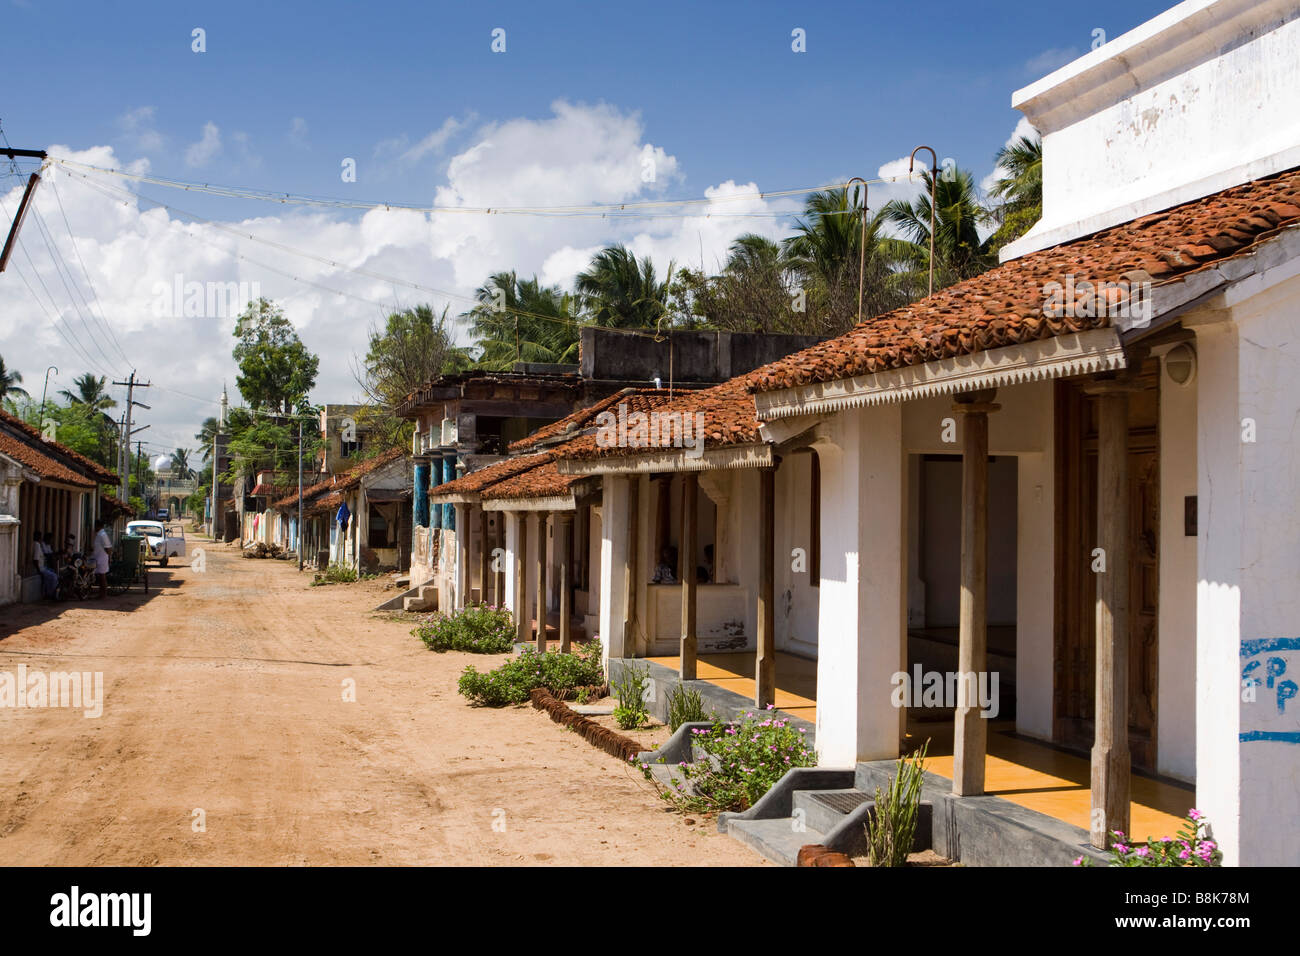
x=796 y=678
x=1024 y=772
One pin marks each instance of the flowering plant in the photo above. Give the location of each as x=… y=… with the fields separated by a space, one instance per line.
x=1192 y=847
x=740 y=762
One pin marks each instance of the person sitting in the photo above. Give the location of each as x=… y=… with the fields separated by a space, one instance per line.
x=42 y=556
x=704 y=573
x=664 y=573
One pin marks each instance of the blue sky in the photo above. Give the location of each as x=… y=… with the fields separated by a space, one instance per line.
x=414 y=93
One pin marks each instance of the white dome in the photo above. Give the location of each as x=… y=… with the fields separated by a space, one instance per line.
x=162 y=463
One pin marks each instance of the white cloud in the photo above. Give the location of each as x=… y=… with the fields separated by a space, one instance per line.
x=137 y=126
x=577 y=154
x=200 y=153
x=298 y=131
x=1023 y=128
x=1049 y=61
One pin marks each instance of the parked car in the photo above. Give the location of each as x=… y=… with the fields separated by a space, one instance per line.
x=165 y=541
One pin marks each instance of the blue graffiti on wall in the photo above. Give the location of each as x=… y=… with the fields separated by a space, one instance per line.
x=1267 y=678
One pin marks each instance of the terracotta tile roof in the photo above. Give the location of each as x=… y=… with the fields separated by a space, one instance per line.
x=476 y=481
x=261 y=490
x=636 y=399
x=1004 y=306
x=541 y=481
x=109 y=506
x=45 y=466
x=729 y=419
x=334 y=486
x=90 y=469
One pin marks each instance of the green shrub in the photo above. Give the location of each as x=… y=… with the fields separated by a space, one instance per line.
x=511 y=683
x=684 y=707
x=337 y=574
x=741 y=763
x=632 y=689
x=891 y=830
x=479 y=629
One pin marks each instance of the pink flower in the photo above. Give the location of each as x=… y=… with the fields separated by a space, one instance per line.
x=1078 y=861
x=1143 y=852
x=1195 y=814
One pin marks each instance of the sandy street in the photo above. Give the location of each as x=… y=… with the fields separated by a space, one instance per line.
x=223 y=693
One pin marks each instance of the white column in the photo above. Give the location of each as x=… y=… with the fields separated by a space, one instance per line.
x=862 y=599
x=613 y=563
x=462 y=555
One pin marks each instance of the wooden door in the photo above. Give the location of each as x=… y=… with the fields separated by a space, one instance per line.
x=1076 y=483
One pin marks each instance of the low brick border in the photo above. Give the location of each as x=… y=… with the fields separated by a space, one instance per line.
x=616 y=745
x=814 y=854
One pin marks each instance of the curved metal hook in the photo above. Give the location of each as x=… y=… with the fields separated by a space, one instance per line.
x=862 y=250
x=934 y=177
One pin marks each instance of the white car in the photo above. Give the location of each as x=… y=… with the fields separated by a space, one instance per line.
x=164 y=541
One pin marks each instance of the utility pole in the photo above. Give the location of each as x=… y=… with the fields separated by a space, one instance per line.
x=124 y=471
x=298 y=541
x=23 y=204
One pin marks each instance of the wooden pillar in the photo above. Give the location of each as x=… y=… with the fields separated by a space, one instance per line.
x=631 y=582
x=563 y=534
x=522 y=634
x=970 y=735
x=541 y=582
x=484 y=553
x=765 y=657
x=1110 y=752
x=499 y=561
x=686 y=568
x=462 y=575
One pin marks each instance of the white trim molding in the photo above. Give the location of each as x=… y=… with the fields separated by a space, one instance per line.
x=714 y=459
x=1096 y=350
x=553 y=503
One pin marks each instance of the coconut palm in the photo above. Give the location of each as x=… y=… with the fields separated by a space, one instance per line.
x=90 y=390
x=11 y=383
x=826 y=255
x=1018 y=190
x=521 y=320
x=958 y=251
x=622 y=291
x=204 y=436
x=181 y=464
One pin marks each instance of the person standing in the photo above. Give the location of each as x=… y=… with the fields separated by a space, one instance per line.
x=103 y=545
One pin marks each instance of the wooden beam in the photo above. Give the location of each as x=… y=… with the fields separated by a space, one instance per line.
x=1110 y=752
x=686 y=568
x=522 y=634
x=563 y=535
x=765 y=657
x=541 y=582
x=970 y=733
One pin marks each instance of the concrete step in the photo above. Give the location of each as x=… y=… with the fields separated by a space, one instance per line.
x=417 y=604
x=825 y=809
x=778 y=839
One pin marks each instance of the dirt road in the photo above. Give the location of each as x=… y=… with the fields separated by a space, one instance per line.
x=226 y=738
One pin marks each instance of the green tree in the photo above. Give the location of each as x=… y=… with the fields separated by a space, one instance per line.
x=826 y=255
x=204 y=436
x=181 y=464
x=754 y=292
x=414 y=347
x=623 y=292
x=276 y=371
x=90 y=390
x=1018 y=190
x=958 y=251
x=11 y=382
x=521 y=320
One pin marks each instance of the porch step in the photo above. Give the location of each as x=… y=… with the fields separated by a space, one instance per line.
x=425 y=599
x=778 y=839
x=825 y=809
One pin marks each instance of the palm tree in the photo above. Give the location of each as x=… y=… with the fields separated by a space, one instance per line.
x=622 y=292
x=826 y=255
x=181 y=464
x=958 y=251
x=91 y=390
x=1018 y=189
x=753 y=292
x=10 y=383
x=204 y=436
x=520 y=320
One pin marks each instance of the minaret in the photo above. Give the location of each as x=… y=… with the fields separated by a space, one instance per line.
x=225 y=408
